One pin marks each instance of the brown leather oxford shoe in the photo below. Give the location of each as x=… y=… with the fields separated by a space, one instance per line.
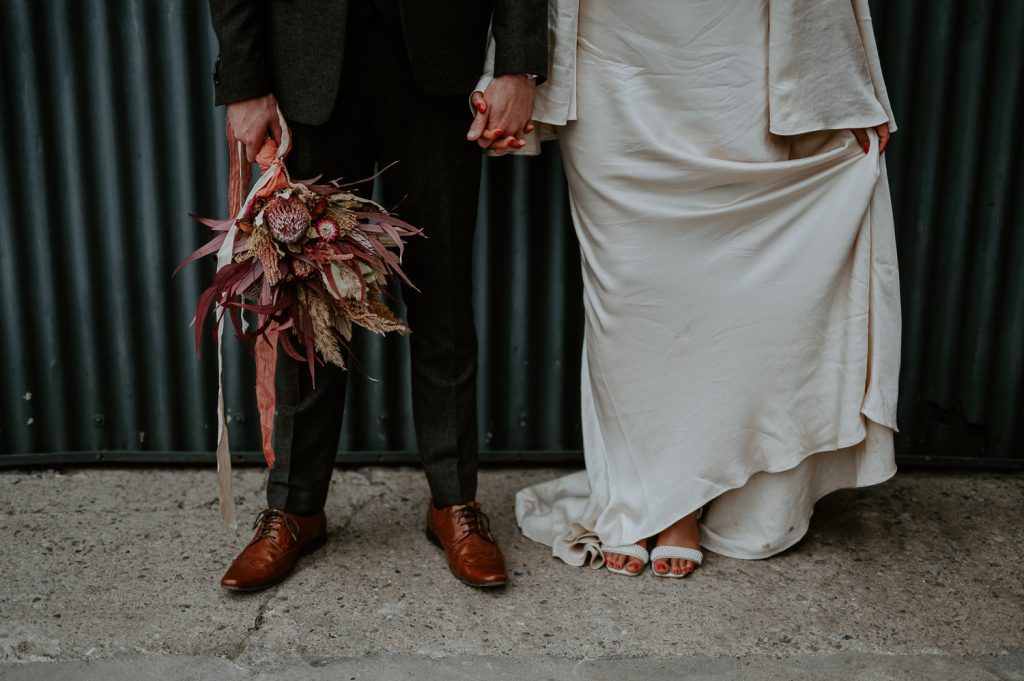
x=281 y=538
x=464 y=533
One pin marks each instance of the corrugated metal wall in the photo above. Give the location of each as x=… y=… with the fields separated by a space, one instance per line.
x=954 y=73
x=110 y=137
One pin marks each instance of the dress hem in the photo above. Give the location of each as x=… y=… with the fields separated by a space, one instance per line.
x=804 y=529
x=722 y=489
x=788 y=466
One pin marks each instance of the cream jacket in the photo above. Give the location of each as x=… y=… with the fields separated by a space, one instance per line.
x=823 y=69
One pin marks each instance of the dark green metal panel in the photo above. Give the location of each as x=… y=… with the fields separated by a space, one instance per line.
x=954 y=73
x=110 y=137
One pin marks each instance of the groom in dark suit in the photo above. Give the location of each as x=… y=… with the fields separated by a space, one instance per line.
x=364 y=83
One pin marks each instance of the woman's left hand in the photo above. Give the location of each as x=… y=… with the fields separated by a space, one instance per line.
x=862 y=137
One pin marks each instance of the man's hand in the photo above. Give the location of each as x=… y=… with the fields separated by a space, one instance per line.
x=503 y=113
x=251 y=121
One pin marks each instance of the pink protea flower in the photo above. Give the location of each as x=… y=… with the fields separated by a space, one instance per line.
x=327 y=229
x=287 y=219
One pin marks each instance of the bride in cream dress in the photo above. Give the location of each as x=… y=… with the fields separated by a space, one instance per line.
x=742 y=341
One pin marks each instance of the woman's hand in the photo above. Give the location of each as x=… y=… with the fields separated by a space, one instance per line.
x=862 y=137
x=503 y=113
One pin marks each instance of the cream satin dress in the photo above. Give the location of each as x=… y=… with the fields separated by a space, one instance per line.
x=742 y=336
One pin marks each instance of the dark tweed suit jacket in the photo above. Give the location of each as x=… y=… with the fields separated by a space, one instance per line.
x=295 y=48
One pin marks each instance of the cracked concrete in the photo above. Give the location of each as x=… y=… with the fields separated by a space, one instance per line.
x=114 y=571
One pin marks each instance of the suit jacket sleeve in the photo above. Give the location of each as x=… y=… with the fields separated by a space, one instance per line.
x=520 y=29
x=241 y=69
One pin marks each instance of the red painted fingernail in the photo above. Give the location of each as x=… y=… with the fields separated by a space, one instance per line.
x=497 y=133
x=866 y=148
x=481 y=107
x=677 y=571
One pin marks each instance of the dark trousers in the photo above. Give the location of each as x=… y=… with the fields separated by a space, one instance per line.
x=381 y=117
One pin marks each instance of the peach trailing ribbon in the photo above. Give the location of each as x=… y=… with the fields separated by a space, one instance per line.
x=266 y=395
x=271 y=159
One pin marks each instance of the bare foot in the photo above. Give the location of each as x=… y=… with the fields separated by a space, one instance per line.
x=686 y=533
x=621 y=561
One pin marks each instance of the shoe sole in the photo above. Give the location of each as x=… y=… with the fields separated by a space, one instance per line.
x=304 y=551
x=436 y=541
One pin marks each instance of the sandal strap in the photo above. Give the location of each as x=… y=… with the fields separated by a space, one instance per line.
x=680 y=552
x=633 y=550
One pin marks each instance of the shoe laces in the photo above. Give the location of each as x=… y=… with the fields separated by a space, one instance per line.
x=473 y=520
x=271 y=522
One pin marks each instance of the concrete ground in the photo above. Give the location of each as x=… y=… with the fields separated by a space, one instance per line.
x=112 y=574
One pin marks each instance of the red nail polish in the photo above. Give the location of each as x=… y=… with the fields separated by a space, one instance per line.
x=481 y=107
x=866 y=148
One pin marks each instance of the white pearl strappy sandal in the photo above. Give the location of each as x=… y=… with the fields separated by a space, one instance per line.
x=632 y=550
x=680 y=552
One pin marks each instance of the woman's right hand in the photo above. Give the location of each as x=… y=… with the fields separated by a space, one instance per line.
x=865 y=143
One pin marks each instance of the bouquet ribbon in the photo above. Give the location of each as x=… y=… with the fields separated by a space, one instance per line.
x=274 y=174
